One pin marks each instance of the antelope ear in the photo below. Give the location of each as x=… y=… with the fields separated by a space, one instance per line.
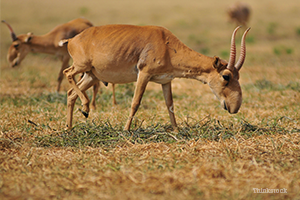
x=28 y=38
x=216 y=62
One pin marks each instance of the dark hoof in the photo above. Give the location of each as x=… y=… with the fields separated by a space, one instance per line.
x=86 y=114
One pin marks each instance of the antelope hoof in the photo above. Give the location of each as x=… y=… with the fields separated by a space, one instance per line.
x=86 y=114
x=67 y=128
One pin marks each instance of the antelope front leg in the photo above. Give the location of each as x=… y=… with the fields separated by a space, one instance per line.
x=141 y=84
x=167 y=91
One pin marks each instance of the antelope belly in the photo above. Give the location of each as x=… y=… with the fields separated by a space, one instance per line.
x=116 y=75
x=162 y=79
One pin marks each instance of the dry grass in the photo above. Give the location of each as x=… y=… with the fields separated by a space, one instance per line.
x=186 y=170
x=214 y=155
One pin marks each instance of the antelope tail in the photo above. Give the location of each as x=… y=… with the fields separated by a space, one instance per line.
x=62 y=42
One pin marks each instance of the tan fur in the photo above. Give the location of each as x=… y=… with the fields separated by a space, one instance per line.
x=239 y=13
x=48 y=43
x=127 y=53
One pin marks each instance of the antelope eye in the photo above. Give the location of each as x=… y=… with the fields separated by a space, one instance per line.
x=16 y=45
x=226 y=77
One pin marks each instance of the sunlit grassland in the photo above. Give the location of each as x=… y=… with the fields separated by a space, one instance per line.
x=213 y=155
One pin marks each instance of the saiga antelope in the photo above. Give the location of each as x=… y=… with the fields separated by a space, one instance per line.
x=127 y=53
x=239 y=13
x=49 y=44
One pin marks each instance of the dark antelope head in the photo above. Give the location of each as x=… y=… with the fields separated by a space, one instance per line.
x=19 y=47
x=224 y=81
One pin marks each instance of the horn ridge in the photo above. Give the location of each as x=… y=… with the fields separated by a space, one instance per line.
x=12 y=33
x=242 y=57
x=232 y=55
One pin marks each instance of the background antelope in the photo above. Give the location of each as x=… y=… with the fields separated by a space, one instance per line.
x=127 y=53
x=239 y=13
x=48 y=43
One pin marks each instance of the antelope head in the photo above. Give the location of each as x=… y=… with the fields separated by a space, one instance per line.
x=19 y=47
x=224 y=81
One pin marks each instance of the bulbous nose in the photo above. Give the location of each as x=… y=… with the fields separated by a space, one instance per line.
x=15 y=63
x=232 y=109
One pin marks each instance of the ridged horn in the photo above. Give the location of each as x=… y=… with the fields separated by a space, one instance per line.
x=242 y=57
x=231 y=61
x=12 y=33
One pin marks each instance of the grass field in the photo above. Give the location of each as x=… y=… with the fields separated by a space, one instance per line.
x=214 y=155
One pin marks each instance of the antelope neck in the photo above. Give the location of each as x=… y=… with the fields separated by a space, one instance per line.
x=188 y=63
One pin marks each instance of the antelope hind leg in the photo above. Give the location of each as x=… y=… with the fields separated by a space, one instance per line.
x=87 y=81
x=70 y=74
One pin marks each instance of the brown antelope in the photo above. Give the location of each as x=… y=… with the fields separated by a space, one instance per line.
x=48 y=43
x=239 y=13
x=127 y=53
